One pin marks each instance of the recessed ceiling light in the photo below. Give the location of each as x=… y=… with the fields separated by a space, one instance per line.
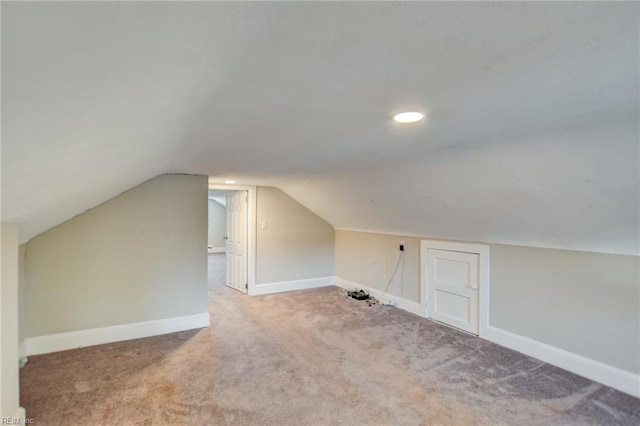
x=408 y=117
x=229 y=182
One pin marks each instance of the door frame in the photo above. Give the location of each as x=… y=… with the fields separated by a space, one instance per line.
x=251 y=227
x=482 y=250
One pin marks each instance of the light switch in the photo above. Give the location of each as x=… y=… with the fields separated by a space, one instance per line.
x=264 y=224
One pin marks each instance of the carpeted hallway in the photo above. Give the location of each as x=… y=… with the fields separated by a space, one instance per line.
x=311 y=357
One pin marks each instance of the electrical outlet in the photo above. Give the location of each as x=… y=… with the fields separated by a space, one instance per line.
x=401 y=245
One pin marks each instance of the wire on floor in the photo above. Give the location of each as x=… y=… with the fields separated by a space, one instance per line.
x=393 y=276
x=364 y=295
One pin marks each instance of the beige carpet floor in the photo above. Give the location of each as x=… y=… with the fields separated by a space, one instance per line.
x=311 y=358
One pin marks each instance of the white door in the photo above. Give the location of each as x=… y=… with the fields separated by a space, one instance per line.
x=236 y=240
x=453 y=288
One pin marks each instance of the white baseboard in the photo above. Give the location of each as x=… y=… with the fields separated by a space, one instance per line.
x=22 y=348
x=216 y=250
x=399 y=302
x=20 y=415
x=97 y=336
x=621 y=380
x=279 y=287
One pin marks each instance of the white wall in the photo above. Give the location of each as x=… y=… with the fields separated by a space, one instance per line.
x=369 y=259
x=138 y=257
x=295 y=245
x=22 y=300
x=9 y=378
x=584 y=303
x=217 y=224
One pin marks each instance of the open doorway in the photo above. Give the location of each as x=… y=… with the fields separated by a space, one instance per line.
x=216 y=242
x=217 y=220
x=231 y=238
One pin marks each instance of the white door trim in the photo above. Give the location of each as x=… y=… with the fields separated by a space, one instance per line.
x=251 y=227
x=483 y=275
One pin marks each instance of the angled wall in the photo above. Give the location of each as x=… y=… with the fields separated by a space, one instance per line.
x=136 y=258
x=293 y=243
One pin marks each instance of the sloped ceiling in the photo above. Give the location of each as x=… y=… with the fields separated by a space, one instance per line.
x=531 y=134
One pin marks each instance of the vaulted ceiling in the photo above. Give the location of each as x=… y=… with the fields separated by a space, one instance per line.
x=531 y=134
